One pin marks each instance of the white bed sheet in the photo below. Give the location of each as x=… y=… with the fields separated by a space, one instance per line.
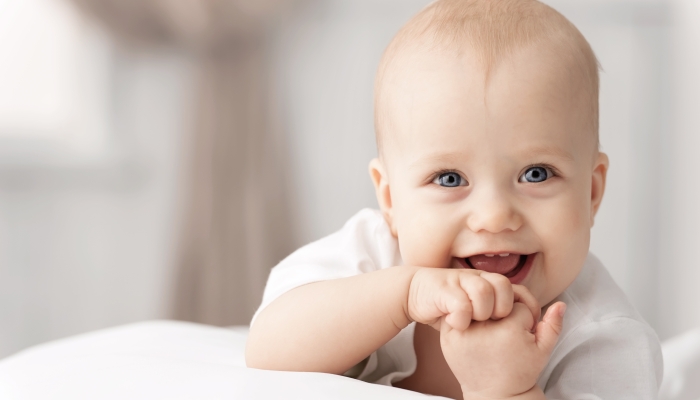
x=166 y=360
x=182 y=361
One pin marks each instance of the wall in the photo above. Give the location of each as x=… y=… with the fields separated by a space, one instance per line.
x=90 y=245
x=679 y=265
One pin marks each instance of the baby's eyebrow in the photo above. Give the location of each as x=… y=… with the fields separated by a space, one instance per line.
x=550 y=150
x=456 y=157
x=437 y=157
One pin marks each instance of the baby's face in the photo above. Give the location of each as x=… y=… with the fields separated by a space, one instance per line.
x=501 y=176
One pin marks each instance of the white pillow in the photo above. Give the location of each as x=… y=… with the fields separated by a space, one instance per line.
x=166 y=360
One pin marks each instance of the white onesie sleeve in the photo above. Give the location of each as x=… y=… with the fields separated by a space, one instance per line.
x=606 y=350
x=364 y=244
x=617 y=358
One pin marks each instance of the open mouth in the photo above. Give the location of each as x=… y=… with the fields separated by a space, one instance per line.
x=513 y=266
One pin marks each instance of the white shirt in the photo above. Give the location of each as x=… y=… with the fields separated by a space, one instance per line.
x=605 y=350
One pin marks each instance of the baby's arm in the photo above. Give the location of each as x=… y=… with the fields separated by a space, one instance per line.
x=332 y=325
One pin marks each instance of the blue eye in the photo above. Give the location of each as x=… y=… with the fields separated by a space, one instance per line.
x=535 y=175
x=450 y=179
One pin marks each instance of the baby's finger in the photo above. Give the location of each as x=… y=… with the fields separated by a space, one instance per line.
x=458 y=309
x=480 y=293
x=444 y=328
x=503 y=294
x=522 y=314
x=457 y=321
x=523 y=295
x=549 y=329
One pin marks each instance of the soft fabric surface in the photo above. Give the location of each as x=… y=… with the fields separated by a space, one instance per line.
x=166 y=360
x=682 y=367
x=177 y=360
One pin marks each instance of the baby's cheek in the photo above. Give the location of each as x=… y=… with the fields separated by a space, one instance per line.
x=566 y=251
x=425 y=240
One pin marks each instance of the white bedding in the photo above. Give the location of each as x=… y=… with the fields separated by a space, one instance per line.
x=682 y=367
x=166 y=360
x=178 y=361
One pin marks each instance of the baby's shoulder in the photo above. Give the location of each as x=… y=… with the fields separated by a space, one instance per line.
x=605 y=335
x=363 y=244
x=595 y=297
x=599 y=315
x=598 y=312
x=368 y=223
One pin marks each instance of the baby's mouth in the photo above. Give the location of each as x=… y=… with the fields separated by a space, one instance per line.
x=508 y=264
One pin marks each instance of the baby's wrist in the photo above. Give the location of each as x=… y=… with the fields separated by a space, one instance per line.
x=406 y=275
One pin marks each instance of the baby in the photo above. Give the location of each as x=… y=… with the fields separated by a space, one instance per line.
x=488 y=180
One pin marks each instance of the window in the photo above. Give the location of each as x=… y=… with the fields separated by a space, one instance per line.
x=54 y=81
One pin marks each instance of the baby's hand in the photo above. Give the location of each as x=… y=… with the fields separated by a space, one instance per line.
x=456 y=297
x=502 y=359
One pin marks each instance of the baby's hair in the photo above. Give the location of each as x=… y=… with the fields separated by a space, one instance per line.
x=492 y=29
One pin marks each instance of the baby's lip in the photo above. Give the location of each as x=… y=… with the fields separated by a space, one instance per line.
x=503 y=263
x=515 y=266
x=494 y=252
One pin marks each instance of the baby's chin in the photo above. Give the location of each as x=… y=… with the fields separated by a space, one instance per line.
x=546 y=290
x=536 y=282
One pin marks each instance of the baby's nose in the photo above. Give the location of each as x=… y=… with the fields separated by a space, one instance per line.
x=492 y=212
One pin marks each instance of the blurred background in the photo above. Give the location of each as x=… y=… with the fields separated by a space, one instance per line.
x=157 y=157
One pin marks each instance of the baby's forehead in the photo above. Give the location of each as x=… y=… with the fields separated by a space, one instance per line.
x=488 y=38
x=439 y=96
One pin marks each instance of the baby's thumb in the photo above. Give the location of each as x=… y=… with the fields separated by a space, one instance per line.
x=550 y=327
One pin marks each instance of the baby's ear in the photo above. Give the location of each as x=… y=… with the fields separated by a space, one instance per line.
x=600 y=171
x=380 y=179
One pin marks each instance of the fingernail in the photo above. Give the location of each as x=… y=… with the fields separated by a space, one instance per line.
x=562 y=309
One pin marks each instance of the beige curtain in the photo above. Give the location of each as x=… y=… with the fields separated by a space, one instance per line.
x=236 y=221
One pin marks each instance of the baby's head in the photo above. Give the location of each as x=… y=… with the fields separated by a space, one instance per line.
x=487 y=129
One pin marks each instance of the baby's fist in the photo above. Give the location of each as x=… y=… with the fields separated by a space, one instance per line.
x=457 y=297
x=502 y=359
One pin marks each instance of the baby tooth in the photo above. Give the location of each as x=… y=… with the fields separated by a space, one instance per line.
x=489 y=255
x=504 y=254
